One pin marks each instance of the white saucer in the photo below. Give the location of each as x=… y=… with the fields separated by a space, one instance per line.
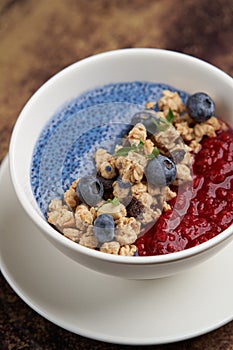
x=106 y=308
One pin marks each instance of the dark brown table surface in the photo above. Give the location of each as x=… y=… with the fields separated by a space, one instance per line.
x=39 y=38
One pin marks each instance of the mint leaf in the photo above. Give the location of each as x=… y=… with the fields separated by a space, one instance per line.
x=170 y=116
x=115 y=201
x=154 y=153
x=141 y=144
x=164 y=123
x=159 y=126
x=124 y=151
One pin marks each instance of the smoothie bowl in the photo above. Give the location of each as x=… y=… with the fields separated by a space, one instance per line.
x=124 y=162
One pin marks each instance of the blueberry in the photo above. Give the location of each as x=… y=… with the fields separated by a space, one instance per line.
x=90 y=190
x=200 y=106
x=160 y=171
x=146 y=118
x=123 y=185
x=104 y=228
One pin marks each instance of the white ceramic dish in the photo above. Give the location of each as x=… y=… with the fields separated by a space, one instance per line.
x=181 y=71
x=106 y=308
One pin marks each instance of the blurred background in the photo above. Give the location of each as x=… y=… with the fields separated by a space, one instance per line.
x=38 y=39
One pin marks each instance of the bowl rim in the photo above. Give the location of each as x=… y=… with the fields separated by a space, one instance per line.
x=61 y=239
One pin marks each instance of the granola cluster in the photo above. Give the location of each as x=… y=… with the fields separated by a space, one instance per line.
x=133 y=202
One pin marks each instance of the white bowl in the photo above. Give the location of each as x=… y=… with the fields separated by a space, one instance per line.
x=152 y=65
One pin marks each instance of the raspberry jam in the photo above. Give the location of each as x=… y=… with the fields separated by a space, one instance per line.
x=203 y=208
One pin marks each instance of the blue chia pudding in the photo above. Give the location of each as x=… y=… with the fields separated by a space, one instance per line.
x=78 y=128
x=108 y=163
